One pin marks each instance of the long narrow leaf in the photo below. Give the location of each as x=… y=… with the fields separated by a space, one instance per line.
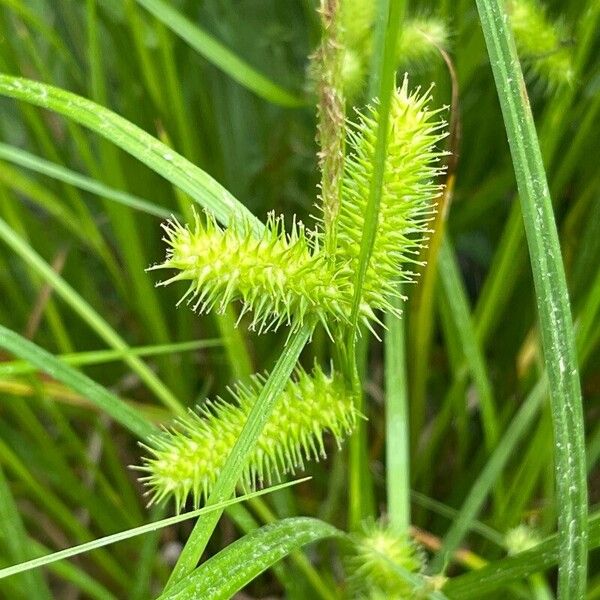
x=488 y=476
x=86 y=312
x=457 y=300
x=15 y=542
x=125 y=535
x=121 y=132
x=498 y=574
x=236 y=461
x=220 y=577
x=15 y=344
x=220 y=56
x=46 y=167
x=95 y=357
x=552 y=297
x=387 y=72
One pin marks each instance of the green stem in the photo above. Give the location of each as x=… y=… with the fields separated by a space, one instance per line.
x=397 y=424
x=386 y=88
x=331 y=125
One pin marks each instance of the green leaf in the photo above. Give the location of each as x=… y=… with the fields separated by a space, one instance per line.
x=95 y=357
x=479 y=583
x=387 y=28
x=129 y=533
x=152 y=152
x=19 y=346
x=489 y=474
x=456 y=296
x=230 y=570
x=220 y=56
x=88 y=314
x=16 y=544
x=556 y=326
x=60 y=173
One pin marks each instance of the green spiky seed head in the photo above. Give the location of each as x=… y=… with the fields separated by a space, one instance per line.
x=408 y=196
x=541 y=44
x=356 y=19
x=286 y=278
x=380 y=557
x=278 y=277
x=421 y=40
x=521 y=538
x=185 y=460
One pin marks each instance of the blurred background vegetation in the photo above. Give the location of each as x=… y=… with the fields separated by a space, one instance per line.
x=65 y=464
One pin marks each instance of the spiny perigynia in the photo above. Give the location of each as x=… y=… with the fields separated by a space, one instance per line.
x=283 y=278
x=407 y=199
x=541 y=44
x=421 y=40
x=186 y=459
x=384 y=564
x=278 y=277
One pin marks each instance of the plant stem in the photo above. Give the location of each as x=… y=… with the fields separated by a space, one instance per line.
x=397 y=424
x=331 y=125
x=386 y=88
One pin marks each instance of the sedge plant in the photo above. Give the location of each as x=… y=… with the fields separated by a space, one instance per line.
x=290 y=278
x=264 y=285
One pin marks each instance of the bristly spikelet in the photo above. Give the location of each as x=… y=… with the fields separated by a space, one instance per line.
x=521 y=538
x=421 y=40
x=542 y=45
x=287 y=278
x=356 y=19
x=408 y=195
x=186 y=460
x=381 y=563
x=280 y=278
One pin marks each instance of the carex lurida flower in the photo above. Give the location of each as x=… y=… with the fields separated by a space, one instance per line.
x=382 y=563
x=283 y=277
x=185 y=460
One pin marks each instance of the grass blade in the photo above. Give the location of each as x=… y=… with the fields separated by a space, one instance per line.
x=249 y=556
x=488 y=476
x=95 y=357
x=14 y=538
x=86 y=312
x=60 y=173
x=15 y=344
x=387 y=73
x=483 y=581
x=552 y=298
x=220 y=56
x=386 y=89
x=457 y=300
x=121 y=132
x=233 y=467
x=125 y=535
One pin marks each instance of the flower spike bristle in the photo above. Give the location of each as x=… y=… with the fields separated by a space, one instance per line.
x=408 y=196
x=283 y=278
x=279 y=277
x=542 y=44
x=384 y=564
x=185 y=460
